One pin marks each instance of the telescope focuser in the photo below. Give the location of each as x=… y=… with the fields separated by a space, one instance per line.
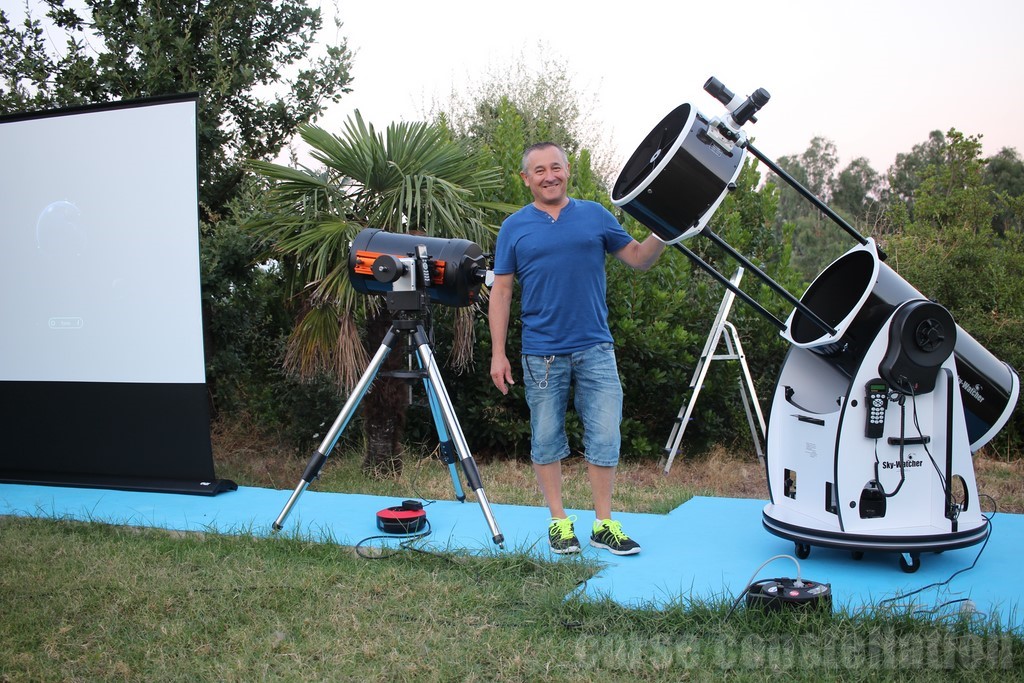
x=740 y=110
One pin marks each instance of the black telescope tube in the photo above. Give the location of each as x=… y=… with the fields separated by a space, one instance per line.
x=810 y=196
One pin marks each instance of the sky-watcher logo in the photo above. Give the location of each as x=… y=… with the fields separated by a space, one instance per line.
x=973 y=391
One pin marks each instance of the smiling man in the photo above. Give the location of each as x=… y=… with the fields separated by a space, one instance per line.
x=556 y=247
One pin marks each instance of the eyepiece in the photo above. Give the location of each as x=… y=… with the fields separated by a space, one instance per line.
x=745 y=112
x=717 y=89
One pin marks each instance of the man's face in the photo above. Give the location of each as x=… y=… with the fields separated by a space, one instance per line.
x=546 y=175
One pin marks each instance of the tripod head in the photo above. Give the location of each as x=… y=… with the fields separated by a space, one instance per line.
x=408 y=277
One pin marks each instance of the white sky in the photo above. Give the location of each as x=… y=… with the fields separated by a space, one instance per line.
x=875 y=77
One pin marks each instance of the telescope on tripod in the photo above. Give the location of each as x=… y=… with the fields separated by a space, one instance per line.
x=411 y=272
x=882 y=398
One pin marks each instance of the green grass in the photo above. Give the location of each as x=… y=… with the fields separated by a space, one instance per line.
x=97 y=602
x=93 y=602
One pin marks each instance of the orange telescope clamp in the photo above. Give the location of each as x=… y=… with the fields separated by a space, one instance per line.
x=364 y=266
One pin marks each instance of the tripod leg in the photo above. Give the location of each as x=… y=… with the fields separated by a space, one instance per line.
x=447 y=448
x=428 y=363
x=316 y=462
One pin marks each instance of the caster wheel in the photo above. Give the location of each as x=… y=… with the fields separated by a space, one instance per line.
x=803 y=551
x=857 y=554
x=912 y=565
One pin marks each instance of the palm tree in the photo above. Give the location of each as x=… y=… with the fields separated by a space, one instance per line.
x=412 y=179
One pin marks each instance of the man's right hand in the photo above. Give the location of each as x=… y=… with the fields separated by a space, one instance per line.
x=501 y=373
x=499 y=306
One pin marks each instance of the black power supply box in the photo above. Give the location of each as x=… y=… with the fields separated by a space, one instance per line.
x=786 y=594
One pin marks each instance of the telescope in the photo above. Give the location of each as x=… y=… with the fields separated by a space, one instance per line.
x=882 y=398
x=412 y=271
x=406 y=268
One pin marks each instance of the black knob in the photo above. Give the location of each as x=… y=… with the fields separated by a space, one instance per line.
x=929 y=335
x=387 y=268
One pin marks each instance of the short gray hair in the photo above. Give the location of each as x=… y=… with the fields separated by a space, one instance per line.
x=543 y=145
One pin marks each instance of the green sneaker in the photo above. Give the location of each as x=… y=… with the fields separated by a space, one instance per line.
x=562 y=536
x=608 y=534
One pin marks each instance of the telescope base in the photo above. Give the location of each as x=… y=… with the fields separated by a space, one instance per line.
x=908 y=541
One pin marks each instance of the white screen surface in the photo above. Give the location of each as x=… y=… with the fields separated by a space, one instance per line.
x=99 y=239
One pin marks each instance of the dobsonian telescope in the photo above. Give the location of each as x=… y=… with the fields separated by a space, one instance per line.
x=882 y=398
x=411 y=272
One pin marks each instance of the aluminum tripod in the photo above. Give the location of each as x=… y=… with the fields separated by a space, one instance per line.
x=448 y=428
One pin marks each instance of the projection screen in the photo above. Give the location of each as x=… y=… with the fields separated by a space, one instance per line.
x=102 y=375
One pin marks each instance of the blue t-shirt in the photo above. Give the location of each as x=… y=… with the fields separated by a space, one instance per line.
x=560 y=267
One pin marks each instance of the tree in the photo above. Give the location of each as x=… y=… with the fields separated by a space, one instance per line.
x=791 y=204
x=855 y=191
x=1005 y=173
x=815 y=241
x=820 y=160
x=950 y=252
x=952 y=191
x=412 y=179
x=661 y=318
x=520 y=105
x=249 y=60
x=512 y=109
x=904 y=176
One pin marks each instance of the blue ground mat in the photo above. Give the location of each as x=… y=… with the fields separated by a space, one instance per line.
x=705 y=550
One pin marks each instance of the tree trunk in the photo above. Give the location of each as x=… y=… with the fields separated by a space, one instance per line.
x=384 y=407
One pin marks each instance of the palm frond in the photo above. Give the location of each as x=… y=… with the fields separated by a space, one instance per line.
x=410 y=178
x=312 y=348
x=463 y=339
x=351 y=359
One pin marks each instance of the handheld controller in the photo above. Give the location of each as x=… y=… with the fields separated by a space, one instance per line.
x=877 y=402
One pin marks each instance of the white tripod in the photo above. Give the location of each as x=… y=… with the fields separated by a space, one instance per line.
x=734 y=351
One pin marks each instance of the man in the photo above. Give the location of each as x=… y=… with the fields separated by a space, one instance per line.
x=556 y=247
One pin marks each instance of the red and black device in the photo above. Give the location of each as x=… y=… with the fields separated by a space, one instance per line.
x=785 y=594
x=407 y=518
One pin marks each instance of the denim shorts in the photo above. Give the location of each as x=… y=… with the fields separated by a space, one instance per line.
x=598 y=402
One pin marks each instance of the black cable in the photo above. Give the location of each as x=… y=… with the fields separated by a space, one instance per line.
x=407 y=540
x=415 y=475
x=947 y=604
x=931 y=458
x=924 y=444
x=945 y=490
x=902 y=463
x=988 y=535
